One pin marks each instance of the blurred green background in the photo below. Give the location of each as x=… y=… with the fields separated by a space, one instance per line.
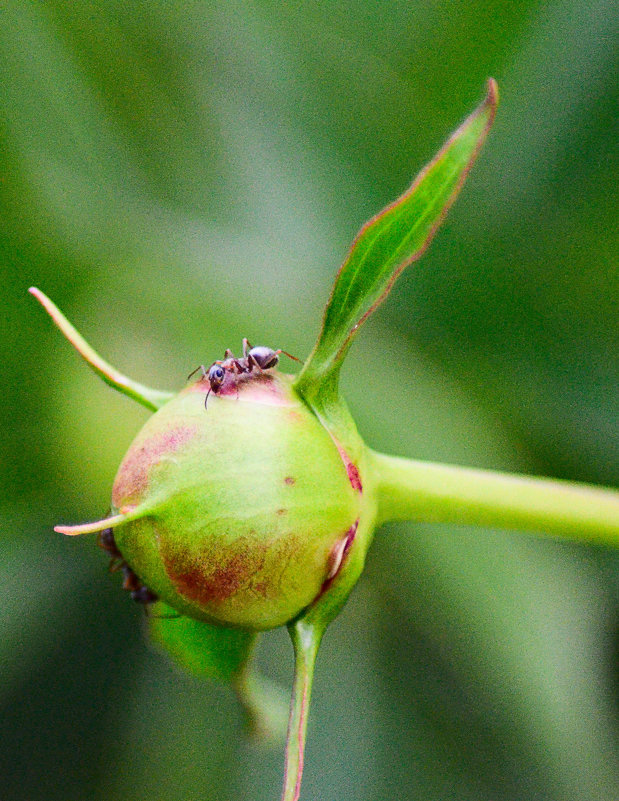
x=179 y=175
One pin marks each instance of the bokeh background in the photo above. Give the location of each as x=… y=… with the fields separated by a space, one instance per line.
x=179 y=175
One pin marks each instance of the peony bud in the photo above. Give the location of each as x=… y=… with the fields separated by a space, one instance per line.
x=240 y=513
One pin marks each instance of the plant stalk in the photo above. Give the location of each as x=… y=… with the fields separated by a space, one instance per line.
x=438 y=493
x=306 y=639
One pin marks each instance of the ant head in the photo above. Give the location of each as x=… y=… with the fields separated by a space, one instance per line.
x=264 y=357
x=216 y=375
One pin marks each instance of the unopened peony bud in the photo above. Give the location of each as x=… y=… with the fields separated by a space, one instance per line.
x=241 y=513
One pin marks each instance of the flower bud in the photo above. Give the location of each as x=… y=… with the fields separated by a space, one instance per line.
x=240 y=513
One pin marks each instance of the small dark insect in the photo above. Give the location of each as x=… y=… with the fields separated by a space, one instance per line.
x=139 y=592
x=253 y=359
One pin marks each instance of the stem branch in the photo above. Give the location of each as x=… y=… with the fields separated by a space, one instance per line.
x=306 y=639
x=438 y=493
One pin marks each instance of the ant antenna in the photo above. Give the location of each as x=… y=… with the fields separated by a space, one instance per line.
x=290 y=356
x=199 y=367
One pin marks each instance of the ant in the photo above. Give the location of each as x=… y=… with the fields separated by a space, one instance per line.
x=139 y=592
x=259 y=358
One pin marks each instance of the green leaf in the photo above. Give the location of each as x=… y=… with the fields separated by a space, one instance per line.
x=396 y=237
x=223 y=654
x=212 y=652
x=153 y=399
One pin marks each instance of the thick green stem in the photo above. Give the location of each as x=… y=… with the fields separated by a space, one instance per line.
x=438 y=493
x=306 y=641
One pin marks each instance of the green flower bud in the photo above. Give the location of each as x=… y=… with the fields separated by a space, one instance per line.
x=259 y=511
x=241 y=513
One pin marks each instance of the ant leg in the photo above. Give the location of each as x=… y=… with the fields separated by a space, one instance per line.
x=174 y=616
x=206 y=399
x=131 y=581
x=199 y=367
x=246 y=347
x=251 y=363
x=232 y=363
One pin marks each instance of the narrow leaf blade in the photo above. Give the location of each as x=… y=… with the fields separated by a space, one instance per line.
x=393 y=239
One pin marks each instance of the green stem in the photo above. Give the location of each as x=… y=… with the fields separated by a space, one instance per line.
x=438 y=493
x=306 y=639
x=153 y=399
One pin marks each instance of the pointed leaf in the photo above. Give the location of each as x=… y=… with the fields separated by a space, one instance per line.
x=153 y=399
x=265 y=704
x=213 y=652
x=223 y=654
x=389 y=242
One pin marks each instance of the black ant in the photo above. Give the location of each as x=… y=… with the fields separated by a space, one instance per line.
x=259 y=358
x=139 y=592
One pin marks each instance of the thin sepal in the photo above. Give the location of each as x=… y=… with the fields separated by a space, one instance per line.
x=92 y=528
x=153 y=399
